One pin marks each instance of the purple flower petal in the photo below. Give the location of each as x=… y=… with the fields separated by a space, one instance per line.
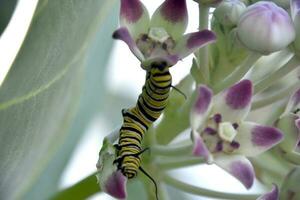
x=297 y=122
x=201 y=107
x=116 y=185
x=124 y=35
x=204 y=99
x=239 y=95
x=272 y=195
x=134 y=16
x=191 y=42
x=171 y=15
x=234 y=103
x=293 y=104
x=200 y=148
x=255 y=139
x=239 y=167
x=131 y=10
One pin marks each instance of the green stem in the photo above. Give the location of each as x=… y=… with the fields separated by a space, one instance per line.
x=292 y=64
x=173 y=123
x=206 y=192
x=80 y=190
x=291 y=157
x=203 y=52
x=171 y=151
x=238 y=73
x=274 y=97
x=179 y=163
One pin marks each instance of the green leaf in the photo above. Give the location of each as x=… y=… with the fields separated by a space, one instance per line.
x=52 y=90
x=6 y=10
x=81 y=190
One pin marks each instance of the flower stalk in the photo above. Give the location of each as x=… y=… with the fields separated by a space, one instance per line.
x=204 y=52
x=196 y=190
x=291 y=65
x=238 y=73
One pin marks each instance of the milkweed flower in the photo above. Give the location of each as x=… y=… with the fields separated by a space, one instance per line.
x=222 y=136
x=110 y=180
x=265 y=28
x=160 y=39
x=289 y=123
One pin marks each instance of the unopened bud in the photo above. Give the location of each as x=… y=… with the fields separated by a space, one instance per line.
x=265 y=28
x=229 y=11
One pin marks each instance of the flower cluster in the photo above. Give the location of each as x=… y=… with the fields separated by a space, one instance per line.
x=219 y=110
x=222 y=135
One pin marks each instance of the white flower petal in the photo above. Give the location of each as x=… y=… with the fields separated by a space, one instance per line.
x=202 y=107
x=135 y=17
x=239 y=167
x=235 y=102
x=191 y=42
x=172 y=16
x=124 y=35
x=255 y=139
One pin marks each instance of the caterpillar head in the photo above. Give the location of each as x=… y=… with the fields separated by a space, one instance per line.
x=160 y=63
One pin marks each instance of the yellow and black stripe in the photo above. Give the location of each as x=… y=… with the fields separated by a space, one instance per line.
x=137 y=120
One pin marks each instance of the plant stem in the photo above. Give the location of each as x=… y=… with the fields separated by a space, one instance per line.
x=179 y=163
x=206 y=192
x=80 y=190
x=203 y=52
x=291 y=157
x=292 y=64
x=171 y=151
x=238 y=74
x=274 y=97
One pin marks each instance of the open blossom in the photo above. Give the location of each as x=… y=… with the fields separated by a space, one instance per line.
x=265 y=28
x=222 y=136
x=289 y=123
x=160 y=39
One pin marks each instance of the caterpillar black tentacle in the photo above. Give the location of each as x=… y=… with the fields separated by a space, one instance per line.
x=136 y=121
x=180 y=92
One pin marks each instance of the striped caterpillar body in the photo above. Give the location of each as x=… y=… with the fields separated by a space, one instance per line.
x=136 y=121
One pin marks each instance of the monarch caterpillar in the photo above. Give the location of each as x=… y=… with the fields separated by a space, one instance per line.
x=136 y=121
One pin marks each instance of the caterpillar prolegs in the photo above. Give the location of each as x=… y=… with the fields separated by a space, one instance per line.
x=136 y=121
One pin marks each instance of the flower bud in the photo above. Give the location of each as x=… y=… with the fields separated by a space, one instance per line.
x=290 y=186
x=288 y=124
x=229 y=11
x=265 y=28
